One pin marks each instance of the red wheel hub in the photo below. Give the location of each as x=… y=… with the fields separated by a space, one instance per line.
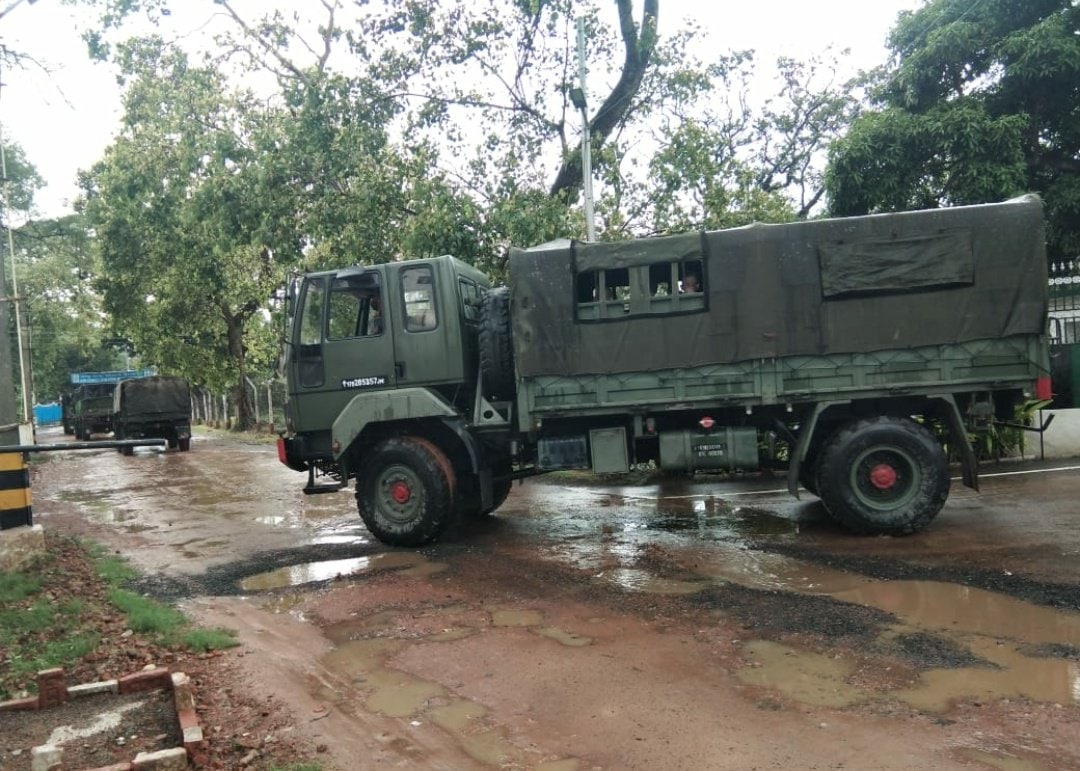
x=400 y=492
x=883 y=476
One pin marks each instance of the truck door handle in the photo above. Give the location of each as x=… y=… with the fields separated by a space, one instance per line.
x=399 y=369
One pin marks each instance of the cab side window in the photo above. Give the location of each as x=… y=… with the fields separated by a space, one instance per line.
x=311 y=321
x=470 y=299
x=418 y=299
x=352 y=311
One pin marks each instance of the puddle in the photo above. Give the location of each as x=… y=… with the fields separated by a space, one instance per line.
x=568 y=639
x=395 y=693
x=457 y=716
x=955 y=608
x=1001 y=762
x=642 y=581
x=448 y=635
x=567 y=764
x=410 y=563
x=810 y=678
x=491 y=749
x=1054 y=681
x=516 y=618
x=708 y=547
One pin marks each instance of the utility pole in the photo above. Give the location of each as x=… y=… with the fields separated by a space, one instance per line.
x=580 y=98
x=9 y=429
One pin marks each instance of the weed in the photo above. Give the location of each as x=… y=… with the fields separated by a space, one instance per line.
x=146 y=615
x=208 y=639
x=17 y=586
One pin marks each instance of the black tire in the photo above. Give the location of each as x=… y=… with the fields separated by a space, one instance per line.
x=405 y=492
x=127 y=451
x=883 y=476
x=496 y=345
x=172 y=442
x=184 y=444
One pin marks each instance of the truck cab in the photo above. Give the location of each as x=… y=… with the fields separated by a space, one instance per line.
x=390 y=334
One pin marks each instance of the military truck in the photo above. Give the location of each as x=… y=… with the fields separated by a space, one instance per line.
x=859 y=354
x=155 y=407
x=92 y=410
x=67 y=412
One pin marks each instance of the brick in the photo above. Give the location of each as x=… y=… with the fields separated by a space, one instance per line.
x=52 y=690
x=30 y=702
x=187 y=718
x=174 y=759
x=184 y=691
x=46 y=757
x=93 y=689
x=147 y=680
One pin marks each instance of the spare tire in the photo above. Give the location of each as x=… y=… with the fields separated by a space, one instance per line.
x=496 y=346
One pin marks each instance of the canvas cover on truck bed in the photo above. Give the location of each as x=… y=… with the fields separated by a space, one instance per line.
x=821 y=287
x=151 y=396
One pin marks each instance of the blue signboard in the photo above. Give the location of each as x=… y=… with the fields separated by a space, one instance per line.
x=83 y=378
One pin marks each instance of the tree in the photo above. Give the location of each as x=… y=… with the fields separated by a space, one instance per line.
x=66 y=324
x=979 y=104
x=193 y=219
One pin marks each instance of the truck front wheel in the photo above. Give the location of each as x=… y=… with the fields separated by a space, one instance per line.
x=883 y=475
x=405 y=492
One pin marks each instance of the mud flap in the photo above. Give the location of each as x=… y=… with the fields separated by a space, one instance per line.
x=969 y=467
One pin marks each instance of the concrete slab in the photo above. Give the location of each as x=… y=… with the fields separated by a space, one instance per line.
x=20 y=545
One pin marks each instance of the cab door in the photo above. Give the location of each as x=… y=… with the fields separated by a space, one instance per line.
x=427 y=327
x=344 y=345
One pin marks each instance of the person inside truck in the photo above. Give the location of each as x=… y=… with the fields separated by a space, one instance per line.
x=690 y=284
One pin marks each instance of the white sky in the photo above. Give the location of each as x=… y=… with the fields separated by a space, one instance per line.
x=64 y=118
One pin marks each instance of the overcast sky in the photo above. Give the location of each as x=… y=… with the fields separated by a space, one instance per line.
x=65 y=117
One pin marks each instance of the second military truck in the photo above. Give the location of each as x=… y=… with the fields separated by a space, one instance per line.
x=155 y=407
x=857 y=353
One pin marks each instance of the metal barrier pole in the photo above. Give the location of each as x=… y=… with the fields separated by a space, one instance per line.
x=14 y=491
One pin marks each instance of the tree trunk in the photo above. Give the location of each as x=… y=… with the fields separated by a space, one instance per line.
x=244 y=412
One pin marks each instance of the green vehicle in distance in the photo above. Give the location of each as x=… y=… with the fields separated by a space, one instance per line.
x=156 y=407
x=856 y=354
x=92 y=410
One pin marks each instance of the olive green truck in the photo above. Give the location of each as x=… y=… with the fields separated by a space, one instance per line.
x=860 y=354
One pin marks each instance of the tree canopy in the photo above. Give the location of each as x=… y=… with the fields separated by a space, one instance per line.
x=980 y=103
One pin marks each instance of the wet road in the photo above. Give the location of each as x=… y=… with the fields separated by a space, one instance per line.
x=690 y=624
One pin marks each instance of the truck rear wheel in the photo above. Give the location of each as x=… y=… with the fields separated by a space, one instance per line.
x=496 y=346
x=405 y=492
x=184 y=444
x=883 y=475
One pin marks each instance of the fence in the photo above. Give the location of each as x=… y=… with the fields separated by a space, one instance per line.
x=217 y=409
x=1065 y=333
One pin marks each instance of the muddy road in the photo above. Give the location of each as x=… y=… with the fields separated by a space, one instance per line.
x=687 y=625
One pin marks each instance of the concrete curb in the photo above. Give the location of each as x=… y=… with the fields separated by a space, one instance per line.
x=53 y=692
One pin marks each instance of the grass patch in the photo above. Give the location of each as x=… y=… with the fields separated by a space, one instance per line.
x=208 y=639
x=72 y=603
x=17 y=586
x=146 y=615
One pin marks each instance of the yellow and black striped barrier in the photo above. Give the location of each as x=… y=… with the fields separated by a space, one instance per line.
x=14 y=491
